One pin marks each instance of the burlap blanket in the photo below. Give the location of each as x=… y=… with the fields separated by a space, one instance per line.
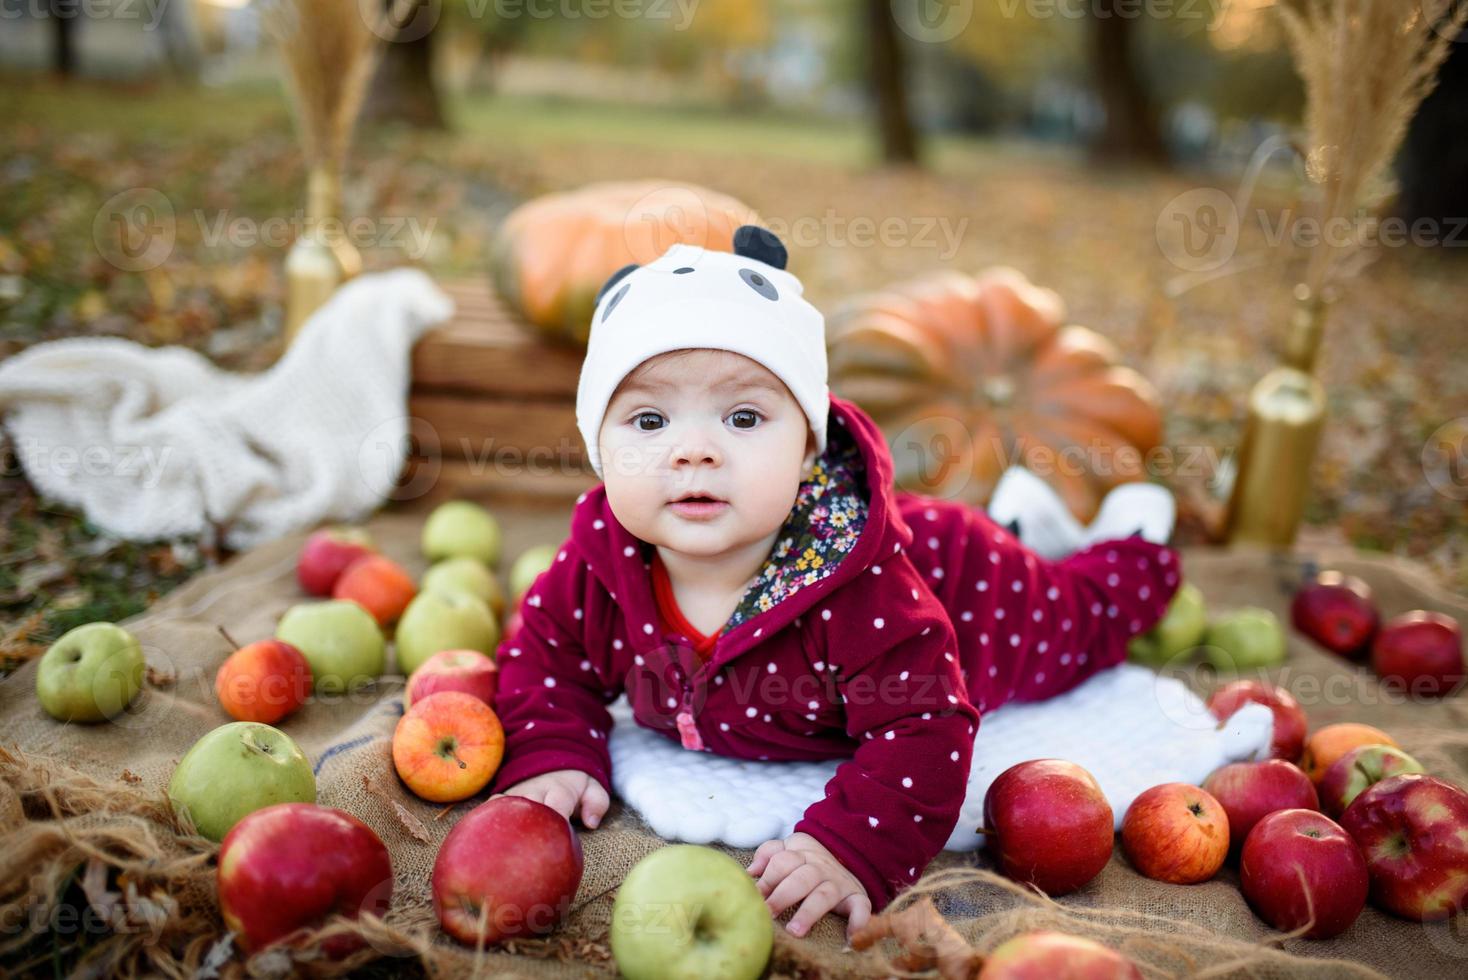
x=77 y=771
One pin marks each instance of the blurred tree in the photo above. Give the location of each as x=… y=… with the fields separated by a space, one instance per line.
x=898 y=139
x=403 y=89
x=1130 y=133
x=63 y=31
x=1433 y=168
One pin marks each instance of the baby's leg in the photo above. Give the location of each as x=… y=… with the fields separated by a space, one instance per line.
x=1030 y=628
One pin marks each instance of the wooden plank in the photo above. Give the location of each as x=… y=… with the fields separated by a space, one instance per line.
x=429 y=481
x=487 y=349
x=486 y=429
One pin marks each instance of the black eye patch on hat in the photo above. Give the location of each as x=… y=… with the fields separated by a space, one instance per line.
x=750 y=241
x=612 y=280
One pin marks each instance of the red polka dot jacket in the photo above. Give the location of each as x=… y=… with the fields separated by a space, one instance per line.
x=882 y=625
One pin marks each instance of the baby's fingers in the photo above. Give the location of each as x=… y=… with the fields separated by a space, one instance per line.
x=826 y=896
x=561 y=799
x=762 y=856
x=594 y=803
x=857 y=908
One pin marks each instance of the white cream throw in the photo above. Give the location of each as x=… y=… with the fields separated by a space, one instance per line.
x=158 y=442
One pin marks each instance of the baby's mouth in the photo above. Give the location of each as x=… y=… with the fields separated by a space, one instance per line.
x=698 y=506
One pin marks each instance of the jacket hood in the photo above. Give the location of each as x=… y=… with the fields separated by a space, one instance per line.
x=608 y=547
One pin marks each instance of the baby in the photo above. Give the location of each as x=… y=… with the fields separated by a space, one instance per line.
x=750 y=578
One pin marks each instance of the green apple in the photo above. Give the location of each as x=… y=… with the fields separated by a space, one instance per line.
x=462 y=529
x=465 y=575
x=91 y=673
x=1245 y=639
x=686 y=911
x=235 y=770
x=528 y=567
x=1179 y=630
x=341 y=642
x=437 y=621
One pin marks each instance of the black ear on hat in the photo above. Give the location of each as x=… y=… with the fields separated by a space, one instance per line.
x=754 y=242
x=612 y=280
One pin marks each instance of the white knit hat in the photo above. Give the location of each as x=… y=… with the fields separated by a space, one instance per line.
x=693 y=297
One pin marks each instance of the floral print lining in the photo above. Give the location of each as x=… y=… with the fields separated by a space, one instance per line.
x=829 y=514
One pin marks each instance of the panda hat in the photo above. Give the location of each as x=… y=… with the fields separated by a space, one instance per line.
x=693 y=297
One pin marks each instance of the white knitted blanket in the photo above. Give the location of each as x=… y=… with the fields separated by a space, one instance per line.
x=158 y=442
x=1128 y=726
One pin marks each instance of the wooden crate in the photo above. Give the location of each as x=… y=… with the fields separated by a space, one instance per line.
x=493 y=407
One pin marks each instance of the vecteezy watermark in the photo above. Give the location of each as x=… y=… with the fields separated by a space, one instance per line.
x=673 y=214
x=142 y=466
x=1199 y=231
x=1445 y=459
x=410 y=20
x=933 y=21
x=150 y=12
x=936 y=21
x=137 y=230
x=937 y=456
x=834 y=230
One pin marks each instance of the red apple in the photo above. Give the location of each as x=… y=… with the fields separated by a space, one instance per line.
x=511 y=865
x=1049 y=825
x=1421 y=650
x=377 y=584
x=1413 y=830
x=1298 y=866
x=448 y=746
x=1336 y=611
x=1289 y=717
x=1044 y=954
x=263 y=681
x=326 y=554
x=1175 y=832
x=1363 y=766
x=1250 y=791
x=292 y=865
x=468 y=671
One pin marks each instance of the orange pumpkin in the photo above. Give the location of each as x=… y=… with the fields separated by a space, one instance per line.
x=553 y=253
x=968 y=375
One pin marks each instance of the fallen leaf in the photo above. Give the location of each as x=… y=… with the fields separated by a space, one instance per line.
x=410 y=823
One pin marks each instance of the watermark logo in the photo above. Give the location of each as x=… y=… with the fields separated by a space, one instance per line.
x=1198 y=231
x=933 y=21
x=135 y=230
x=1445 y=459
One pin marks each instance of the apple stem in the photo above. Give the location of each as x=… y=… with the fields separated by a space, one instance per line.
x=225 y=633
x=983 y=830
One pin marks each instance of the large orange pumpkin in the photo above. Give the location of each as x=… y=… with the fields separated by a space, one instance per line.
x=553 y=253
x=968 y=375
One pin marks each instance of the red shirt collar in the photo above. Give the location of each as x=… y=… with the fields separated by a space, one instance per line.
x=672 y=617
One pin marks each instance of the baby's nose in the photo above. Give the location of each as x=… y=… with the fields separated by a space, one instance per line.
x=696 y=449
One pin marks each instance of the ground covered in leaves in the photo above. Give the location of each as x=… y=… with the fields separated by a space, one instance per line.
x=226 y=161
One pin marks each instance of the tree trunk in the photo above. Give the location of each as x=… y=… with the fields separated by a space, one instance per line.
x=402 y=90
x=1433 y=167
x=1130 y=133
x=899 y=140
x=63 y=30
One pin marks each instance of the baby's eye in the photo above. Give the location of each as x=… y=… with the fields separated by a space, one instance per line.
x=744 y=419
x=641 y=417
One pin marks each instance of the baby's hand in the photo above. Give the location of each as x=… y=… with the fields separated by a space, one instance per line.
x=800 y=867
x=563 y=790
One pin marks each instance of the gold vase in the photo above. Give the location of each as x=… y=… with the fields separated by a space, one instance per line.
x=322 y=257
x=1281 y=435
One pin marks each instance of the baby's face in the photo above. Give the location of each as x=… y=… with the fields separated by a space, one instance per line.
x=711 y=422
